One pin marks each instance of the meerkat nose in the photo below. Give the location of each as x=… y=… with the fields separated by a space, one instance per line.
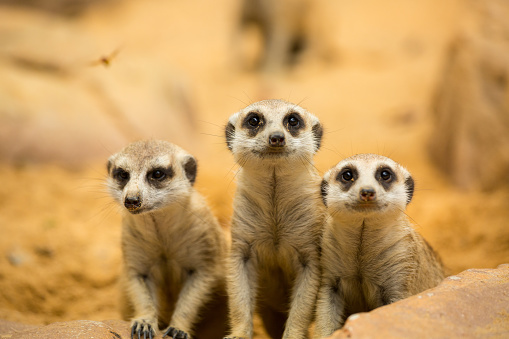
x=132 y=203
x=277 y=139
x=367 y=194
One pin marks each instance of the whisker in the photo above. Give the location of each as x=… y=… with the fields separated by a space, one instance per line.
x=212 y=135
x=211 y=123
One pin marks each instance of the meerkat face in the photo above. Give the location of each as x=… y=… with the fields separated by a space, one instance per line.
x=367 y=183
x=273 y=129
x=150 y=175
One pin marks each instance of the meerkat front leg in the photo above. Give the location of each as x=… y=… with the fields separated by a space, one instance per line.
x=330 y=310
x=196 y=292
x=144 y=323
x=303 y=299
x=242 y=285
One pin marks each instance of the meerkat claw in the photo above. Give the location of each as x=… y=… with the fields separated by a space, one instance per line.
x=142 y=330
x=175 y=333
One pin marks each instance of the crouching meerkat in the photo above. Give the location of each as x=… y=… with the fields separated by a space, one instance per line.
x=173 y=248
x=277 y=220
x=371 y=254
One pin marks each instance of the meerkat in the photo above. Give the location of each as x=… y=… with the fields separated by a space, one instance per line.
x=277 y=220
x=371 y=254
x=173 y=248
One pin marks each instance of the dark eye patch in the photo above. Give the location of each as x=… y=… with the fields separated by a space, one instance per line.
x=386 y=177
x=294 y=123
x=121 y=176
x=347 y=176
x=158 y=175
x=253 y=123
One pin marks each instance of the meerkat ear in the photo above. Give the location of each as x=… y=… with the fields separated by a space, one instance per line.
x=108 y=166
x=190 y=168
x=409 y=188
x=323 y=191
x=317 y=135
x=229 y=133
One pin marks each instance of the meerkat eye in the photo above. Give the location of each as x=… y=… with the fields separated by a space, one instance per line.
x=386 y=175
x=121 y=175
x=254 y=121
x=293 y=121
x=347 y=175
x=157 y=174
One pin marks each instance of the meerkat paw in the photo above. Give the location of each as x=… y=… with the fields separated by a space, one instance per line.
x=175 y=333
x=143 y=329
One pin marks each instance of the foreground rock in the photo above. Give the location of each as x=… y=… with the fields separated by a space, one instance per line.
x=472 y=304
x=78 y=329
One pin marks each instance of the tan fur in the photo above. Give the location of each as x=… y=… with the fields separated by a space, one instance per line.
x=173 y=248
x=277 y=223
x=371 y=256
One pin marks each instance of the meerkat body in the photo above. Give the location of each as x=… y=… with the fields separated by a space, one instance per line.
x=277 y=220
x=173 y=248
x=371 y=254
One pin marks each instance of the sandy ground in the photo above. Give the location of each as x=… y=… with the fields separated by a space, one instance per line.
x=59 y=250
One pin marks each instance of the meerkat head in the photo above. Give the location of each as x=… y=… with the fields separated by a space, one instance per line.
x=149 y=175
x=365 y=184
x=273 y=129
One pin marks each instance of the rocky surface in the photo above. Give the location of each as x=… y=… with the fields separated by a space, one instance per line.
x=472 y=304
x=78 y=329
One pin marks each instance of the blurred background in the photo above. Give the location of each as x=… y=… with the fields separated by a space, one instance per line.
x=424 y=82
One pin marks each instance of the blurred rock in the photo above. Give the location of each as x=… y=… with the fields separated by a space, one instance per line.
x=472 y=304
x=62 y=7
x=64 y=99
x=470 y=141
x=11 y=327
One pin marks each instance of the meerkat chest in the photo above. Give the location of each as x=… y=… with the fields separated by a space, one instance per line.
x=368 y=253
x=277 y=216
x=162 y=241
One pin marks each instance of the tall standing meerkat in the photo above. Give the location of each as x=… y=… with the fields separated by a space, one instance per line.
x=277 y=220
x=173 y=248
x=371 y=254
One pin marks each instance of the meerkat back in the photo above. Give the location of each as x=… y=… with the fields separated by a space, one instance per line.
x=173 y=247
x=371 y=254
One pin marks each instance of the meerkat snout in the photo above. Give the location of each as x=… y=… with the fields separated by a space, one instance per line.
x=367 y=194
x=277 y=139
x=132 y=203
